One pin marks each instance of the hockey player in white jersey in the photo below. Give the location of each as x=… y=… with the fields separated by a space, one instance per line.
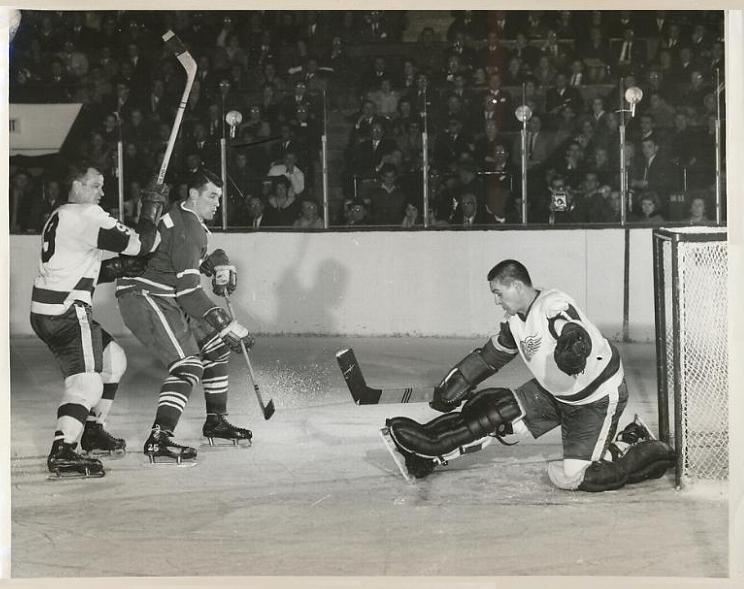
x=578 y=384
x=74 y=240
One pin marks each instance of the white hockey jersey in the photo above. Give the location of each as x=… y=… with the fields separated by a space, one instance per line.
x=73 y=241
x=533 y=336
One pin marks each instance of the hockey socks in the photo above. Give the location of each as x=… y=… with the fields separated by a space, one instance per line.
x=175 y=391
x=214 y=380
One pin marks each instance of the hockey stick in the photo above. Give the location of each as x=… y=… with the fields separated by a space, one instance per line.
x=268 y=409
x=366 y=395
x=188 y=63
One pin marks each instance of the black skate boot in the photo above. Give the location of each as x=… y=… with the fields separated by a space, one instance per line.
x=96 y=441
x=160 y=449
x=636 y=431
x=216 y=426
x=64 y=462
x=412 y=466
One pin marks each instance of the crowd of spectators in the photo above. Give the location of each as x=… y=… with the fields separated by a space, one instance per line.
x=285 y=71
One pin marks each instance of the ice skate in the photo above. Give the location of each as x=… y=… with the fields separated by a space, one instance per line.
x=65 y=463
x=96 y=441
x=410 y=466
x=217 y=427
x=161 y=449
x=636 y=431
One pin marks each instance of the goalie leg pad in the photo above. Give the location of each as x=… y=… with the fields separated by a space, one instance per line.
x=489 y=412
x=646 y=460
x=603 y=476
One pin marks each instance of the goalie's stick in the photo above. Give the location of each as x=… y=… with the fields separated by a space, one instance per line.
x=188 y=63
x=268 y=409
x=366 y=395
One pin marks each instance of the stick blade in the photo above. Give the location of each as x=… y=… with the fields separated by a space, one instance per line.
x=360 y=392
x=269 y=410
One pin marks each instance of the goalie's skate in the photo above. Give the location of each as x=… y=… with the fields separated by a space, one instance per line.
x=162 y=450
x=96 y=441
x=410 y=466
x=64 y=463
x=636 y=431
x=216 y=427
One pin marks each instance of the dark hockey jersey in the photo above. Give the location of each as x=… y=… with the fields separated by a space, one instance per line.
x=173 y=270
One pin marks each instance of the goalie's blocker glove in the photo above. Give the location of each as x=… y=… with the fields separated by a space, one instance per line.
x=223 y=273
x=572 y=349
x=230 y=331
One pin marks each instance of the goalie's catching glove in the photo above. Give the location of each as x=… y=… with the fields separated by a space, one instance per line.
x=223 y=273
x=230 y=331
x=572 y=349
x=120 y=266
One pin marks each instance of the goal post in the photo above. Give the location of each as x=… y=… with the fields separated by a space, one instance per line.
x=690 y=302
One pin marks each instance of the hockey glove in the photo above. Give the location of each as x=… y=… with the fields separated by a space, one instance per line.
x=154 y=198
x=572 y=349
x=223 y=273
x=120 y=266
x=230 y=331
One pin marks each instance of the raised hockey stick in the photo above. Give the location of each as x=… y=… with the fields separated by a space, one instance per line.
x=188 y=63
x=366 y=395
x=267 y=409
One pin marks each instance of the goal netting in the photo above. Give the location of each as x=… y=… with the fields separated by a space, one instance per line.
x=690 y=271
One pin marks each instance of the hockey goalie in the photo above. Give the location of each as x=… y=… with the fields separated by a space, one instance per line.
x=578 y=385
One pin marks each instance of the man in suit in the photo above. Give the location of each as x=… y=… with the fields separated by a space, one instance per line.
x=562 y=95
x=656 y=173
x=368 y=155
x=539 y=145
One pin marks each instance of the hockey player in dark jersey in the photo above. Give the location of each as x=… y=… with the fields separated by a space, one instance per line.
x=168 y=311
x=74 y=240
x=578 y=384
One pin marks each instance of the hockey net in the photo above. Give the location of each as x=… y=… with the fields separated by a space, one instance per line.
x=690 y=281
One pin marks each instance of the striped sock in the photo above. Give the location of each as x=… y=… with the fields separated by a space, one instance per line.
x=215 y=355
x=175 y=391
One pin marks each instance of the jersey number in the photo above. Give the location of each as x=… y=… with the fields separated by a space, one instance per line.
x=50 y=233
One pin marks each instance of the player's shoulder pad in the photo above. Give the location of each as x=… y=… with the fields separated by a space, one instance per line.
x=554 y=302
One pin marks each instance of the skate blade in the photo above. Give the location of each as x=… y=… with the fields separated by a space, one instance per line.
x=232 y=442
x=165 y=461
x=397 y=457
x=61 y=475
x=637 y=419
x=112 y=454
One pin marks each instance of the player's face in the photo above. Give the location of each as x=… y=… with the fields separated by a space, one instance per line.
x=207 y=201
x=507 y=295
x=89 y=189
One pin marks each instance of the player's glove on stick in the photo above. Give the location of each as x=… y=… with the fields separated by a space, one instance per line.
x=230 y=331
x=223 y=273
x=572 y=349
x=154 y=199
x=120 y=266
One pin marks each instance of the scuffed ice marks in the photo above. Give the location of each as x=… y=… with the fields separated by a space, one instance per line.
x=296 y=385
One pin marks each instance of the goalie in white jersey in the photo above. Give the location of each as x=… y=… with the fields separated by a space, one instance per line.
x=74 y=240
x=578 y=385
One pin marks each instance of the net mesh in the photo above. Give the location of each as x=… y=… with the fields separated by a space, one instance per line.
x=697 y=324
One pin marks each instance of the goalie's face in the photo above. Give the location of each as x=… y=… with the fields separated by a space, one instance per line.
x=509 y=296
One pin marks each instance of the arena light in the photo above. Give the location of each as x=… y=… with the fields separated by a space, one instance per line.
x=633 y=95
x=233 y=118
x=523 y=113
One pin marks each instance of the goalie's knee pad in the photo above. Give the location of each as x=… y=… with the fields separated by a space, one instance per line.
x=213 y=349
x=491 y=411
x=646 y=460
x=114 y=363
x=83 y=389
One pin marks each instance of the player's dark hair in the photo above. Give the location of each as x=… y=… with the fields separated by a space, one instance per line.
x=76 y=171
x=507 y=271
x=201 y=177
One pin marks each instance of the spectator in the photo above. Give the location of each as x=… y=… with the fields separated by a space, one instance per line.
x=698 y=211
x=282 y=208
x=309 y=218
x=21 y=202
x=288 y=168
x=470 y=212
x=656 y=174
x=630 y=55
x=492 y=57
x=75 y=62
x=545 y=72
x=58 y=84
x=363 y=126
x=565 y=205
x=387 y=198
x=499 y=185
x=411 y=215
x=355 y=213
x=539 y=145
x=502 y=103
x=132 y=203
x=562 y=96
x=599 y=164
x=452 y=147
x=660 y=111
x=385 y=98
x=269 y=77
x=485 y=146
x=650 y=207
x=368 y=155
x=255 y=209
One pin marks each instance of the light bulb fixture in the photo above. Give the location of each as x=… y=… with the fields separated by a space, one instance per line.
x=523 y=113
x=233 y=118
x=633 y=96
